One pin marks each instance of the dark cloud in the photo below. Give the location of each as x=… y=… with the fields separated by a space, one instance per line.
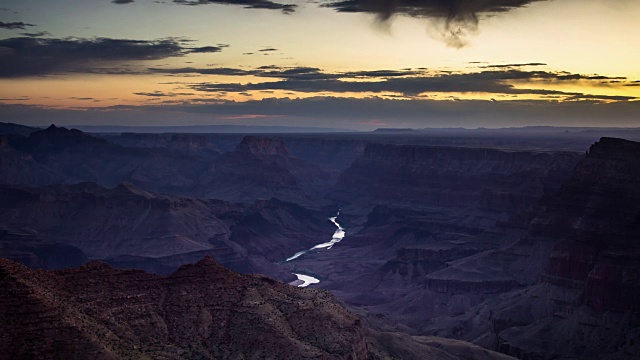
x=153 y=94
x=600 y=97
x=409 y=83
x=206 y=49
x=28 y=56
x=509 y=65
x=451 y=9
x=300 y=73
x=249 y=4
x=160 y=94
x=383 y=73
x=17 y=98
x=268 y=49
x=212 y=71
x=36 y=34
x=453 y=20
x=14 y=25
x=405 y=86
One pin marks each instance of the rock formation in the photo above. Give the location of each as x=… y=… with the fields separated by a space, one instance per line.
x=130 y=227
x=202 y=311
x=580 y=258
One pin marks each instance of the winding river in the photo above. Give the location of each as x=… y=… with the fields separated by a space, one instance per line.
x=338 y=235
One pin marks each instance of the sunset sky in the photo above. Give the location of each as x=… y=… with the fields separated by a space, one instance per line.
x=352 y=64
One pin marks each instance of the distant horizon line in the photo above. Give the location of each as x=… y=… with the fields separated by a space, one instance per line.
x=303 y=129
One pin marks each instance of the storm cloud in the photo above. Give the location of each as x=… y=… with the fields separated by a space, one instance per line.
x=452 y=20
x=28 y=56
x=249 y=4
x=14 y=25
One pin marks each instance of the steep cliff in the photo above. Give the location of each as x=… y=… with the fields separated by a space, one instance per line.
x=454 y=177
x=592 y=275
x=332 y=152
x=581 y=259
x=436 y=211
x=74 y=156
x=18 y=167
x=110 y=222
x=172 y=141
x=262 y=167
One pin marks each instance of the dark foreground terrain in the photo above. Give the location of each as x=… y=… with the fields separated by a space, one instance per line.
x=200 y=311
x=456 y=243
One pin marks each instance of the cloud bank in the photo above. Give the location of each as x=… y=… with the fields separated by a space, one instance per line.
x=247 y=4
x=14 y=25
x=29 y=56
x=497 y=79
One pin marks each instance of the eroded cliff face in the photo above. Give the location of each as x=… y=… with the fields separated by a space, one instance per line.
x=269 y=227
x=17 y=167
x=441 y=216
x=130 y=227
x=596 y=219
x=593 y=272
x=440 y=176
x=333 y=153
x=262 y=167
x=111 y=222
x=73 y=156
x=535 y=279
x=184 y=164
x=201 y=311
x=260 y=145
x=173 y=141
x=583 y=255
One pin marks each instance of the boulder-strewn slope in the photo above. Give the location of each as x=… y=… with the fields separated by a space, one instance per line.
x=202 y=311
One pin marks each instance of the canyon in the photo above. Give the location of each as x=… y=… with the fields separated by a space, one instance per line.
x=447 y=244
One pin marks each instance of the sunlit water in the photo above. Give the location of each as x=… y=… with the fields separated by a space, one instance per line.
x=338 y=235
x=306 y=280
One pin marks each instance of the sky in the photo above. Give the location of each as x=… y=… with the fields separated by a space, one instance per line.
x=352 y=64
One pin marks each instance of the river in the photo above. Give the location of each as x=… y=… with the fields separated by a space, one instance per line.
x=338 y=235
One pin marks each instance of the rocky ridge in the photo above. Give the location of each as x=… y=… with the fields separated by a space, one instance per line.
x=201 y=311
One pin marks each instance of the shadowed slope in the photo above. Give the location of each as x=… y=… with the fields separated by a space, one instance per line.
x=202 y=311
